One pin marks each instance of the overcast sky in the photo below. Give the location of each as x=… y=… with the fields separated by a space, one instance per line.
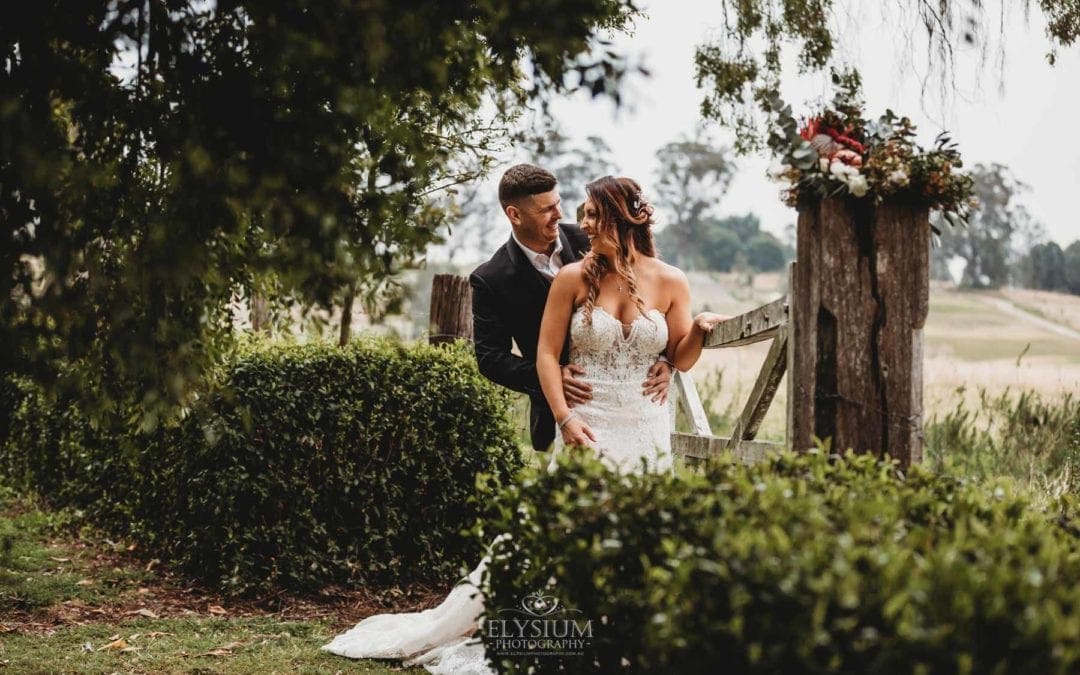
x=1030 y=126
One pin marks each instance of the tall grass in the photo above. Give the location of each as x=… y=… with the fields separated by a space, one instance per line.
x=721 y=418
x=1025 y=435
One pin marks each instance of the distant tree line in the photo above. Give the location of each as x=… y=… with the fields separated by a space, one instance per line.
x=694 y=174
x=1002 y=244
x=1048 y=267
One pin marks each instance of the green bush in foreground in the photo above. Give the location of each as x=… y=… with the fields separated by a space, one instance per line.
x=308 y=465
x=801 y=564
x=317 y=464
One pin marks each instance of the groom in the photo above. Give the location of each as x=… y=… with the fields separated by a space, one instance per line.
x=510 y=291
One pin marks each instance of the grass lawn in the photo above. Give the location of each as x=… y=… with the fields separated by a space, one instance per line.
x=74 y=602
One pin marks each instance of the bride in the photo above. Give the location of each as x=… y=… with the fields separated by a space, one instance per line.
x=621 y=307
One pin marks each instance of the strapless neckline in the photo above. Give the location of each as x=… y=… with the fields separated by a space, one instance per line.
x=627 y=328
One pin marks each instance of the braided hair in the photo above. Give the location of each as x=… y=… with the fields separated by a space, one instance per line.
x=623 y=216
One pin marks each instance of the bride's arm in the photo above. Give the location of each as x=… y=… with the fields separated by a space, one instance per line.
x=553 y=329
x=686 y=336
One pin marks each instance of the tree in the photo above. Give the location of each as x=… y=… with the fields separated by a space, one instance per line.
x=474 y=226
x=159 y=157
x=741 y=69
x=765 y=253
x=693 y=176
x=574 y=165
x=720 y=251
x=985 y=243
x=1072 y=267
x=1044 y=268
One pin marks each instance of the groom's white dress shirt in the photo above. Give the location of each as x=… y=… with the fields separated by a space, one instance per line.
x=545 y=264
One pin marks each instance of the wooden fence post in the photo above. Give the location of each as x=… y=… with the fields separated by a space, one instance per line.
x=451 y=309
x=859 y=303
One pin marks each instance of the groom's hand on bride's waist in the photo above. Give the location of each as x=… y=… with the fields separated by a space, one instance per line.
x=575 y=390
x=657 y=382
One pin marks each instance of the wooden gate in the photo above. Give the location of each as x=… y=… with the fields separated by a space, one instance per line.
x=768 y=322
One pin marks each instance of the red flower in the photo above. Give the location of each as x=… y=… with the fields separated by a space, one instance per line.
x=846 y=140
x=812 y=128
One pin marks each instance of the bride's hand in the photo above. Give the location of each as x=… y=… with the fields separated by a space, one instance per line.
x=706 y=321
x=576 y=432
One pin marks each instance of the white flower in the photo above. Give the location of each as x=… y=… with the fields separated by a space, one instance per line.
x=824 y=163
x=778 y=172
x=899 y=177
x=842 y=171
x=857 y=184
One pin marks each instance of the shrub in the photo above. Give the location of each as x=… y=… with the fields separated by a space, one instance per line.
x=315 y=464
x=305 y=465
x=802 y=564
x=1022 y=435
x=50 y=447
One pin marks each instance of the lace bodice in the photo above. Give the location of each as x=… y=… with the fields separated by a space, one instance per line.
x=610 y=351
x=628 y=426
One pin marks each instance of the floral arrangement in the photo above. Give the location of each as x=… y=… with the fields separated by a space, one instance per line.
x=839 y=152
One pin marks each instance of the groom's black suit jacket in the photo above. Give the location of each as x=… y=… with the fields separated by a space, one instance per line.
x=508 y=302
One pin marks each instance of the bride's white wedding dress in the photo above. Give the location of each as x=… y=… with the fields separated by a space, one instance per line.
x=628 y=428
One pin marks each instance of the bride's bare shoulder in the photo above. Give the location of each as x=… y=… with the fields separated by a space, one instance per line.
x=570 y=272
x=669 y=274
x=569 y=278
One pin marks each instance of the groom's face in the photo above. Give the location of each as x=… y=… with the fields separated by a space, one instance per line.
x=536 y=218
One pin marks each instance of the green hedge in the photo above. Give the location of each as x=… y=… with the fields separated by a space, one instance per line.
x=48 y=446
x=307 y=465
x=803 y=564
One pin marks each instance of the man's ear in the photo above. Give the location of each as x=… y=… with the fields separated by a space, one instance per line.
x=513 y=213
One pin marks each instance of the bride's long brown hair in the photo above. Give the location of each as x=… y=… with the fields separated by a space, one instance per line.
x=623 y=216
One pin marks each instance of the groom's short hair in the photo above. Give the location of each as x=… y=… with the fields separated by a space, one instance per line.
x=523 y=180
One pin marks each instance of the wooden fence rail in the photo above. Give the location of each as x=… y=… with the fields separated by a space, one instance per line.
x=768 y=322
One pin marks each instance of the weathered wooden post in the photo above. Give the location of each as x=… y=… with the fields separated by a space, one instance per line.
x=451 y=309
x=859 y=303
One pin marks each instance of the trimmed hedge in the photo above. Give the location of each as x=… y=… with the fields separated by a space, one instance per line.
x=308 y=465
x=802 y=564
x=48 y=446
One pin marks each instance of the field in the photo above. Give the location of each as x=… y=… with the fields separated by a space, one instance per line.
x=1010 y=339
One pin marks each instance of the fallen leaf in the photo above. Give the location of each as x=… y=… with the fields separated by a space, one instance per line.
x=130 y=649
x=60 y=559
x=114 y=637
x=217 y=609
x=143 y=591
x=157 y=633
x=84 y=582
x=131 y=638
x=116 y=644
x=232 y=645
x=150 y=565
x=218 y=652
x=142 y=611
